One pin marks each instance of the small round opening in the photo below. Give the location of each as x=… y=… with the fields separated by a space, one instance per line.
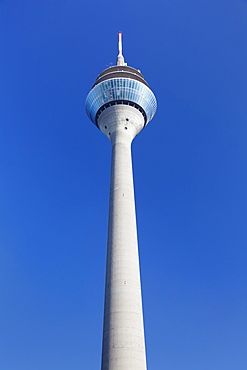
x=126 y=128
x=127 y=119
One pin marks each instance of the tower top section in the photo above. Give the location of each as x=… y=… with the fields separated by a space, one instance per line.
x=120 y=84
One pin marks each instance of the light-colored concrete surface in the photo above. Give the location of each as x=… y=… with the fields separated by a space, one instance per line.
x=123 y=333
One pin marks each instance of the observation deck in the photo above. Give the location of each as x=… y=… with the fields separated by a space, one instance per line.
x=120 y=84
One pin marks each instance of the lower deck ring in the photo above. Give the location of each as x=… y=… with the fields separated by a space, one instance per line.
x=118 y=102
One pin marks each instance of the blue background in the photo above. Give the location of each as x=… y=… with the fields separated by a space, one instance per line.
x=190 y=178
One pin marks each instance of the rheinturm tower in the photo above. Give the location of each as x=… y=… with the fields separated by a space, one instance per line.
x=121 y=104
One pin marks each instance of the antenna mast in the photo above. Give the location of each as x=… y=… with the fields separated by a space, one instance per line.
x=120 y=58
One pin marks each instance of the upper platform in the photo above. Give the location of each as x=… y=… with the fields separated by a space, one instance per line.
x=120 y=71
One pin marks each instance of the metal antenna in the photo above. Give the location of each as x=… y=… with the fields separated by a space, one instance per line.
x=120 y=58
x=120 y=48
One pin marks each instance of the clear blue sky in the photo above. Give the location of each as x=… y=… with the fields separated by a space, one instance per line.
x=190 y=167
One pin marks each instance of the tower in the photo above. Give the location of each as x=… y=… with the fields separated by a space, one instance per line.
x=121 y=104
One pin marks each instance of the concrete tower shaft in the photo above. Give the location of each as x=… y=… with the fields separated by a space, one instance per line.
x=120 y=104
x=123 y=333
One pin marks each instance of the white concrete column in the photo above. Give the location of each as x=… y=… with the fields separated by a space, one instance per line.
x=123 y=333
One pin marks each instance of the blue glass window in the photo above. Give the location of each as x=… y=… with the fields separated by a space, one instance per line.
x=121 y=89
